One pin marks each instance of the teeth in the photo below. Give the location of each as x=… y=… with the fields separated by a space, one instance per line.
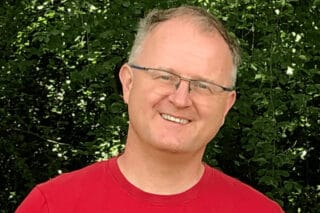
x=174 y=119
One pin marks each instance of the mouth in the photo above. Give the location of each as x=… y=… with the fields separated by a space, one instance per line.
x=174 y=119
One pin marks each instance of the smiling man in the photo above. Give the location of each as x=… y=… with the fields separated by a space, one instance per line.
x=179 y=86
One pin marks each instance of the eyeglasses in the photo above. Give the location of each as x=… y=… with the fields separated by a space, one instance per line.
x=168 y=79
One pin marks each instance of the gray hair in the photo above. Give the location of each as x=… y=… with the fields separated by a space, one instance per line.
x=203 y=20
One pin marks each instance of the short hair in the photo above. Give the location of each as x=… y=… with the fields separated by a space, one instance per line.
x=205 y=21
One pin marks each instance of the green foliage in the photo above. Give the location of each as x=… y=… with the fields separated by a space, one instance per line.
x=60 y=107
x=271 y=137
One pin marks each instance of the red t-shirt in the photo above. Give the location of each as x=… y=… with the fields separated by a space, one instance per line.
x=101 y=187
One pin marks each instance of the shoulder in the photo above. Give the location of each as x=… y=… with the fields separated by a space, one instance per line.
x=240 y=195
x=66 y=191
x=93 y=171
x=75 y=184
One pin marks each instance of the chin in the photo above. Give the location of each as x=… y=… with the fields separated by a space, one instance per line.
x=174 y=147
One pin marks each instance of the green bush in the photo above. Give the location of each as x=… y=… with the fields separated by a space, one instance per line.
x=60 y=107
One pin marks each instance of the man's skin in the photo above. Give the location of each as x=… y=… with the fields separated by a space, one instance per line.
x=163 y=156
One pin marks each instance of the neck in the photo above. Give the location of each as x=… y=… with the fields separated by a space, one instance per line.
x=158 y=171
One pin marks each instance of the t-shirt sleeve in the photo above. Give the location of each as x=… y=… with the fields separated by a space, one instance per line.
x=279 y=209
x=35 y=202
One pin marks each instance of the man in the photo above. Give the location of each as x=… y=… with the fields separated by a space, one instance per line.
x=179 y=86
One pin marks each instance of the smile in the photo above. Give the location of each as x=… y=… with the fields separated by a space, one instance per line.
x=174 y=119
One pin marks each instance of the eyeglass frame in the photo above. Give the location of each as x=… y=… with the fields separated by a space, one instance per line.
x=146 y=69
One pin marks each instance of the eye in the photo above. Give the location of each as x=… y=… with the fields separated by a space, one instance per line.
x=163 y=76
x=202 y=85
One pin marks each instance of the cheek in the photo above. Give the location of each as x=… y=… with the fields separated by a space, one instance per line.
x=214 y=113
x=143 y=98
x=214 y=118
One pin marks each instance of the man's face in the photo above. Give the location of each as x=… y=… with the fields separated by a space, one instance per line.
x=177 y=121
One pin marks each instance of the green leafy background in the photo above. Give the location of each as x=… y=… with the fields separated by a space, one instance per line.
x=60 y=107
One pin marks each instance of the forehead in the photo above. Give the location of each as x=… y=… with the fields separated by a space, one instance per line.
x=180 y=45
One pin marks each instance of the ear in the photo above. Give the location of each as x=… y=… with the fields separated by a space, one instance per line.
x=230 y=101
x=126 y=78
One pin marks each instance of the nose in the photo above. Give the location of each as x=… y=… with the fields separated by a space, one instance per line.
x=181 y=96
